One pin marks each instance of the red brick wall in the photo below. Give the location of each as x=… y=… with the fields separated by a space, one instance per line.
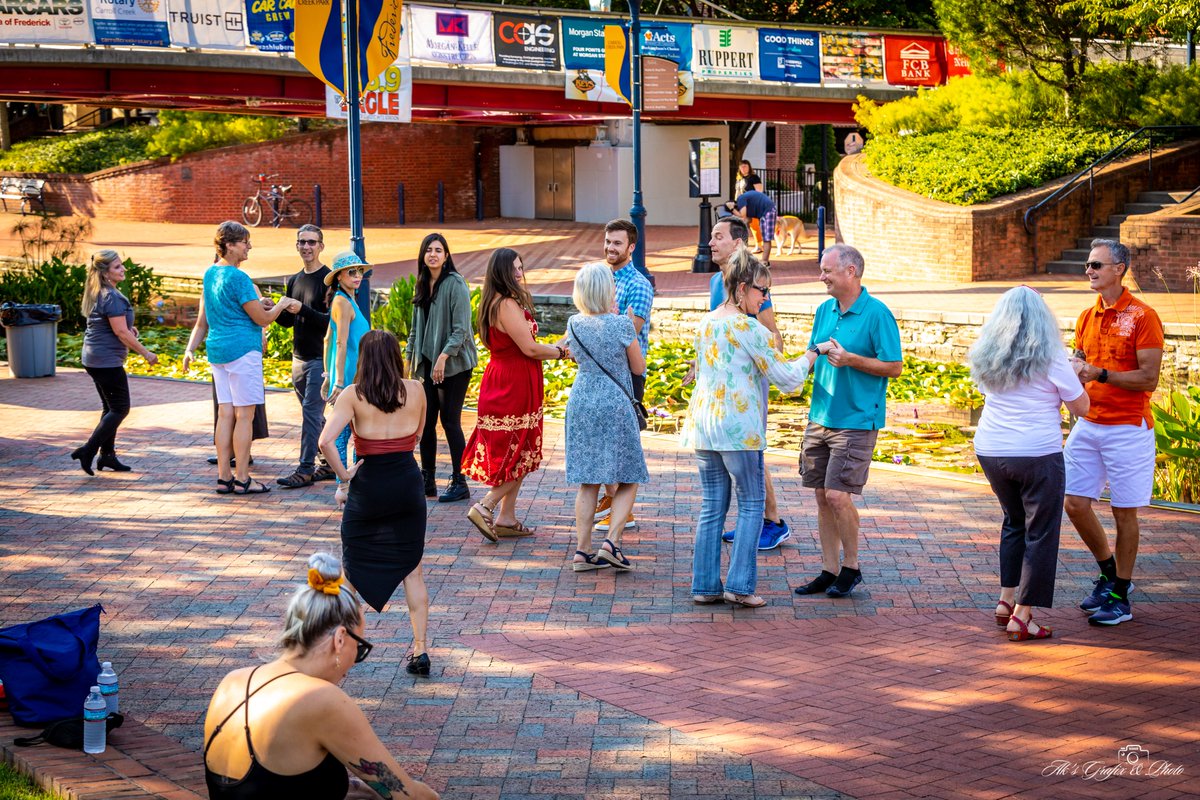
x=1167 y=242
x=905 y=236
x=787 y=147
x=209 y=187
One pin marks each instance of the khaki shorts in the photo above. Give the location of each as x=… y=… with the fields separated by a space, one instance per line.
x=836 y=458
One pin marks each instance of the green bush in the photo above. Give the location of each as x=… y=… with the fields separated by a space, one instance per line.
x=965 y=167
x=60 y=283
x=396 y=314
x=179 y=132
x=85 y=152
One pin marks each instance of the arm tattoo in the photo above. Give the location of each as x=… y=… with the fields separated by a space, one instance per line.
x=380 y=778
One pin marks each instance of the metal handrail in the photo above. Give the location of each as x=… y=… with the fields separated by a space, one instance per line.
x=1089 y=172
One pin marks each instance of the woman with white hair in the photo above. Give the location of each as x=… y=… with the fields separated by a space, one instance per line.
x=286 y=728
x=604 y=446
x=1020 y=364
x=109 y=338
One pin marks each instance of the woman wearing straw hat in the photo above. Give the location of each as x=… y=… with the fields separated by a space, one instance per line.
x=347 y=324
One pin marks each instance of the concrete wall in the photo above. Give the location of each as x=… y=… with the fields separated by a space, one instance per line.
x=906 y=236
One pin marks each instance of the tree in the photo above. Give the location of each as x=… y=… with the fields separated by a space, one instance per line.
x=1144 y=19
x=1048 y=37
x=867 y=13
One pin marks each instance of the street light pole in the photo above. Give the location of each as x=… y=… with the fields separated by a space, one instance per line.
x=638 y=211
x=354 y=150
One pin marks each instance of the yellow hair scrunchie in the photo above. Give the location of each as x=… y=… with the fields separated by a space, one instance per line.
x=321 y=585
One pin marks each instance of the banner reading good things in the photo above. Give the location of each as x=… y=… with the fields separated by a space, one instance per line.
x=142 y=23
x=211 y=24
x=789 y=56
x=63 y=22
x=452 y=35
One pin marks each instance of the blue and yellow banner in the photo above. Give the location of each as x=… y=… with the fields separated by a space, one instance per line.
x=616 y=61
x=319 y=45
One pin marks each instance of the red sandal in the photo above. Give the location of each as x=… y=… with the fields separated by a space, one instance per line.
x=1002 y=619
x=1042 y=632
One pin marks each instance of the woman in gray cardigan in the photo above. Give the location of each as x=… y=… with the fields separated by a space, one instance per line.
x=441 y=354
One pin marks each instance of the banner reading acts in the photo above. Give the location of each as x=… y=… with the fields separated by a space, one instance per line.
x=45 y=21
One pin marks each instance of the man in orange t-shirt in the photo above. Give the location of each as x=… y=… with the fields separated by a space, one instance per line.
x=1118 y=352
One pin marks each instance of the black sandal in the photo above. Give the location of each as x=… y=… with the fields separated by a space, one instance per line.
x=590 y=562
x=244 y=488
x=225 y=487
x=615 y=557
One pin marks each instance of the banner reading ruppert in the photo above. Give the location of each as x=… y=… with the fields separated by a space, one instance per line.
x=720 y=52
x=210 y=24
x=45 y=21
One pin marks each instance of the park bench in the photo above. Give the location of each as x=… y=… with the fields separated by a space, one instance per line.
x=27 y=190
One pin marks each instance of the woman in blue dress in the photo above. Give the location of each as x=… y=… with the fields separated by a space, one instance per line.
x=347 y=324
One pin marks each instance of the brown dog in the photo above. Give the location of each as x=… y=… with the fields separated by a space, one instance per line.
x=791 y=228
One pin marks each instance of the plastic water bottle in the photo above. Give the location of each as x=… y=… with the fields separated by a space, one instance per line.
x=95 y=727
x=108 y=686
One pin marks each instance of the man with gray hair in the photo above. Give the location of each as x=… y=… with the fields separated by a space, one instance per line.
x=1118 y=352
x=308 y=326
x=847 y=411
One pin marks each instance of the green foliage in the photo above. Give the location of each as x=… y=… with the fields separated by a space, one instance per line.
x=179 y=133
x=84 y=152
x=61 y=283
x=44 y=237
x=15 y=786
x=965 y=167
x=932 y=380
x=973 y=102
x=396 y=314
x=279 y=338
x=1177 y=435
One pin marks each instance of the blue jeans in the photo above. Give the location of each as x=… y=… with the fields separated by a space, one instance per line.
x=306 y=380
x=343 y=448
x=717 y=467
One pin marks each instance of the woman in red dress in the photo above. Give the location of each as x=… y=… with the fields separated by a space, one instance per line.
x=507 y=442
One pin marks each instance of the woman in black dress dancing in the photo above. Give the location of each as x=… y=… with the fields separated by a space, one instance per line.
x=383 y=519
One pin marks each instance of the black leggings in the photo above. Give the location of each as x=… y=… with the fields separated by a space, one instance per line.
x=113 y=387
x=444 y=401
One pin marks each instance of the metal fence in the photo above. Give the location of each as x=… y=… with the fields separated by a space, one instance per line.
x=798 y=194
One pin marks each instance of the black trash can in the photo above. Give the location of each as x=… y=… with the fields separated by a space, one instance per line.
x=32 y=332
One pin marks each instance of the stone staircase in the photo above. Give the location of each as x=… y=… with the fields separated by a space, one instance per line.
x=1071 y=261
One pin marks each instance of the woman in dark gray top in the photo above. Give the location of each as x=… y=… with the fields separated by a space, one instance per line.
x=109 y=338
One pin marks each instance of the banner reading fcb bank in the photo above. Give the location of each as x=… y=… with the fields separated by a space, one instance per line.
x=211 y=24
x=451 y=35
x=55 y=22
x=140 y=23
x=914 y=60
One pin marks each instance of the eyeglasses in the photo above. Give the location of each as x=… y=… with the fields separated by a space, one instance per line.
x=364 y=647
x=355 y=272
x=766 y=291
x=307 y=242
x=1099 y=265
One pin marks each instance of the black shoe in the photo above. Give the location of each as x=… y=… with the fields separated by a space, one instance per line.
x=232 y=462
x=818 y=584
x=457 y=490
x=110 y=461
x=84 y=457
x=847 y=579
x=323 y=472
x=430 y=482
x=418 y=665
x=297 y=480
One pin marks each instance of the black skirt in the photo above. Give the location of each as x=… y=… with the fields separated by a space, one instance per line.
x=383 y=526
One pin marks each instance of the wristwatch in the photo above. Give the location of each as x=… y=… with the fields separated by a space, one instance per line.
x=815 y=349
x=1103 y=376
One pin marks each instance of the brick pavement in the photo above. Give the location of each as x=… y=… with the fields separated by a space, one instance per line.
x=549 y=683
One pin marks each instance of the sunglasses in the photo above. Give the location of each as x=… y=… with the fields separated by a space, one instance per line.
x=766 y=291
x=307 y=242
x=1096 y=266
x=355 y=272
x=364 y=647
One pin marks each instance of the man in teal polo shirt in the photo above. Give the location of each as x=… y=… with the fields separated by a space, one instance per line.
x=847 y=411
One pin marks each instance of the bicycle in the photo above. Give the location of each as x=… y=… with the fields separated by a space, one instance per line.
x=284 y=210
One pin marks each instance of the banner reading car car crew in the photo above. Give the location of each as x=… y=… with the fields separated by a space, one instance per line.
x=211 y=24
x=64 y=22
x=141 y=23
x=451 y=35
x=270 y=25
x=522 y=41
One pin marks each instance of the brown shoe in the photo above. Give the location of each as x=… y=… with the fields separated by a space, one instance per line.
x=513 y=531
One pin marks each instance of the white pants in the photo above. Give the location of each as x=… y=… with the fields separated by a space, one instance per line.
x=1120 y=455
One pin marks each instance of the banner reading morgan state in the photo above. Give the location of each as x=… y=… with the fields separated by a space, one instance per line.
x=451 y=35
x=211 y=24
x=525 y=42
x=45 y=21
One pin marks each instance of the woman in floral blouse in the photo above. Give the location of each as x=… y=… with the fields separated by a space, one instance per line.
x=726 y=427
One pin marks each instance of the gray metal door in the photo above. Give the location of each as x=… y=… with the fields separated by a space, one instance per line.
x=564 y=183
x=543 y=183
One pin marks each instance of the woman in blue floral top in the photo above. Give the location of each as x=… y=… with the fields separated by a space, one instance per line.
x=726 y=427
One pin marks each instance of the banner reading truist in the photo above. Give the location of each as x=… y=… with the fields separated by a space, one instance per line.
x=270 y=24
x=142 y=23
x=60 y=22
x=790 y=56
x=724 y=52
x=851 y=58
x=914 y=60
x=452 y=35
x=522 y=41
x=211 y=24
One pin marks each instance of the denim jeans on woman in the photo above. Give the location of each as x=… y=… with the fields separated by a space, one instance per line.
x=717 y=468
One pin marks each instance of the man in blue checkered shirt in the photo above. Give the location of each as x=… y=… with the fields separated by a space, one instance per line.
x=635 y=297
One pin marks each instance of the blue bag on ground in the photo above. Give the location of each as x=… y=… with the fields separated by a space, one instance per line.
x=48 y=666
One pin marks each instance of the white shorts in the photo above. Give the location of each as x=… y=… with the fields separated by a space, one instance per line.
x=1120 y=455
x=240 y=382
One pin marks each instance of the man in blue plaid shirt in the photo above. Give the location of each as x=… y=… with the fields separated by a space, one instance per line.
x=635 y=297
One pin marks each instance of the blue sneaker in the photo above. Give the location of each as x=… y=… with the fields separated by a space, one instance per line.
x=1114 y=611
x=727 y=537
x=1100 y=589
x=774 y=534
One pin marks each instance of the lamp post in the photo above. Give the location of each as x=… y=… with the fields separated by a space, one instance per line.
x=637 y=211
x=354 y=151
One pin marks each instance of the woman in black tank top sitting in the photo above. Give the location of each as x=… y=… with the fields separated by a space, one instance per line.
x=286 y=729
